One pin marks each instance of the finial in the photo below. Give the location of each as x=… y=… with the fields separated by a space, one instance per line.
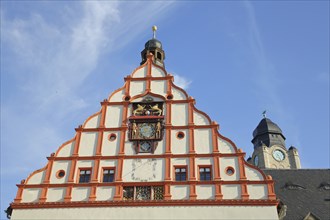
x=264 y=113
x=154 y=29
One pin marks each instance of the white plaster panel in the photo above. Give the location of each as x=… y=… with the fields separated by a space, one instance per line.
x=204 y=161
x=179 y=146
x=129 y=110
x=110 y=148
x=129 y=148
x=80 y=193
x=231 y=191
x=66 y=151
x=93 y=122
x=205 y=191
x=154 y=212
x=118 y=96
x=114 y=116
x=105 y=193
x=85 y=163
x=252 y=174
x=88 y=142
x=157 y=72
x=55 y=194
x=180 y=192
x=60 y=165
x=158 y=87
x=108 y=163
x=140 y=73
x=178 y=94
x=137 y=88
x=229 y=162
x=141 y=170
x=179 y=161
x=257 y=191
x=200 y=119
x=37 y=178
x=30 y=195
x=179 y=114
x=225 y=146
x=203 y=140
x=160 y=149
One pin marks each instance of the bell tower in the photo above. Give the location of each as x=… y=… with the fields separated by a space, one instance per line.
x=270 y=151
x=153 y=46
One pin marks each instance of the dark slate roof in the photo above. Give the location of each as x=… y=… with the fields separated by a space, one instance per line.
x=303 y=191
x=153 y=43
x=267 y=126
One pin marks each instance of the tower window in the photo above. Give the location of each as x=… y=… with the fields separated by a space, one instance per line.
x=159 y=55
x=108 y=175
x=181 y=173
x=205 y=173
x=85 y=175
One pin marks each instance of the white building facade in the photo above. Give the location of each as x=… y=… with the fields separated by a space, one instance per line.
x=149 y=153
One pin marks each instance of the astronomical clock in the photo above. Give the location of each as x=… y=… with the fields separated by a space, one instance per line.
x=146 y=125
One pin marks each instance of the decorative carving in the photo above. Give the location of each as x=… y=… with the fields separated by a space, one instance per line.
x=140 y=110
x=148 y=109
x=143 y=192
x=158 y=192
x=156 y=109
x=146 y=125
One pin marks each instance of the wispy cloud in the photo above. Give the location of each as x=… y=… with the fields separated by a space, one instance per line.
x=181 y=81
x=50 y=61
x=265 y=75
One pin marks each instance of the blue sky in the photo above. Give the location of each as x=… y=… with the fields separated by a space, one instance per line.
x=59 y=59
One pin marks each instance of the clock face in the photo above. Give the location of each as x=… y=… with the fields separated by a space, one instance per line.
x=145 y=146
x=278 y=155
x=256 y=160
x=146 y=130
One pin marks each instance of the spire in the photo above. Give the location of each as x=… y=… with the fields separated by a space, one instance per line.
x=153 y=46
x=154 y=29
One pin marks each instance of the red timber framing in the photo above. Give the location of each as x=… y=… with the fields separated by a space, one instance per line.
x=169 y=181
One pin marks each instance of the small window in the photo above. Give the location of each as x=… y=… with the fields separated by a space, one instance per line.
x=60 y=174
x=85 y=176
x=180 y=135
x=108 y=175
x=112 y=137
x=180 y=173
x=230 y=171
x=205 y=173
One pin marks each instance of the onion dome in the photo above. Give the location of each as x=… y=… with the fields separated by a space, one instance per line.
x=153 y=46
x=268 y=133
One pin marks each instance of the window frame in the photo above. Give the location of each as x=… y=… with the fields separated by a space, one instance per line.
x=204 y=167
x=108 y=168
x=84 y=169
x=180 y=167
